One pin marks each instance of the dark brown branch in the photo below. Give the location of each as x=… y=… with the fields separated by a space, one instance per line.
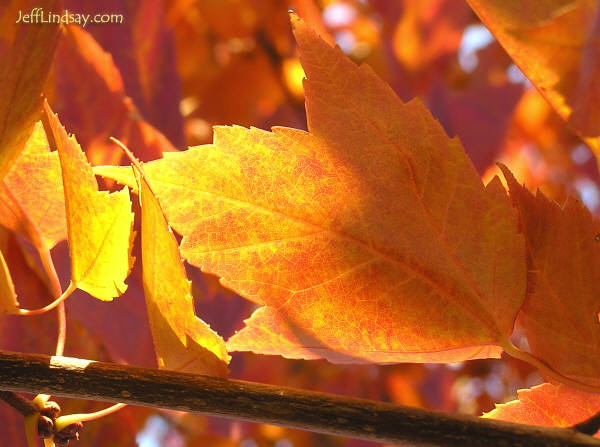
x=589 y=426
x=18 y=402
x=320 y=412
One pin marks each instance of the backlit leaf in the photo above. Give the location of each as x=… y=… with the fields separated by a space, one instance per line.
x=554 y=43
x=94 y=105
x=99 y=224
x=142 y=48
x=31 y=432
x=31 y=195
x=354 y=235
x=560 y=315
x=182 y=341
x=22 y=77
x=548 y=405
x=313 y=16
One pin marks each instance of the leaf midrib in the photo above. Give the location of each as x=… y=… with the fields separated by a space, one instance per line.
x=371 y=250
x=425 y=212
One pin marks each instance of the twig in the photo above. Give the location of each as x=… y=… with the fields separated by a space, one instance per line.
x=589 y=426
x=57 y=292
x=84 y=417
x=308 y=410
x=67 y=293
x=18 y=402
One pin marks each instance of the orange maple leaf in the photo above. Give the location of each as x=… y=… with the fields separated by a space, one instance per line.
x=548 y=405
x=369 y=239
x=96 y=106
x=554 y=43
x=560 y=314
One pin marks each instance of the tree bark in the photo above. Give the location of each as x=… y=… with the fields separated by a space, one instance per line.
x=288 y=407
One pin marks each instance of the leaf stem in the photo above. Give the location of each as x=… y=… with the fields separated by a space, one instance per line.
x=544 y=368
x=18 y=402
x=72 y=287
x=589 y=426
x=83 y=417
x=56 y=289
x=61 y=336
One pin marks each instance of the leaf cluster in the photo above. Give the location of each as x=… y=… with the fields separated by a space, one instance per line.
x=367 y=238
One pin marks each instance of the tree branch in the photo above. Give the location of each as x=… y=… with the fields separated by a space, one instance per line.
x=18 y=402
x=308 y=410
x=589 y=426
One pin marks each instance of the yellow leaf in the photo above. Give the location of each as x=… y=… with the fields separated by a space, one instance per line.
x=122 y=174
x=32 y=201
x=99 y=224
x=22 y=77
x=31 y=423
x=31 y=429
x=182 y=341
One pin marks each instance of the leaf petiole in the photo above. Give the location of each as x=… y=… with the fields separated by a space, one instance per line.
x=544 y=368
x=72 y=287
x=68 y=419
x=56 y=290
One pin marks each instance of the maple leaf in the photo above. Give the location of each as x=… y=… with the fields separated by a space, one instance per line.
x=313 y=16
x=548 y=405
x=22 y=76
x=31 y=194
x=182 y=341
x=94 y=103
x=99 y=224
x=560 y=314
x=554 y=43
x=353 y=235
x=142 y=48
